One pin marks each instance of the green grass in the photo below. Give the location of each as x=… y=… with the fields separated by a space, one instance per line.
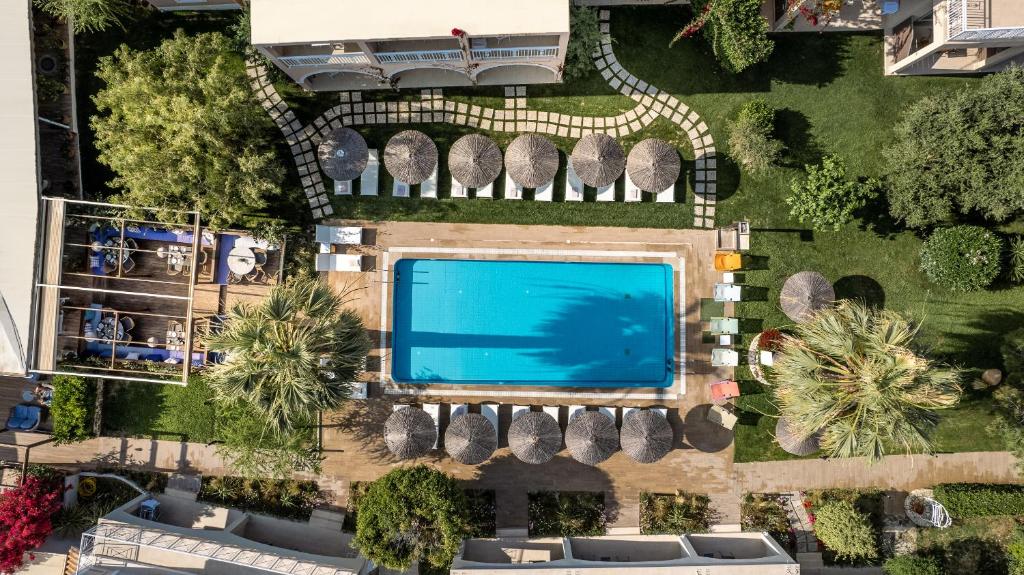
x=973 y=545
x=155 y=411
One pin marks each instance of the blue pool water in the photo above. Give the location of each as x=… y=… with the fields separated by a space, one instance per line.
x=532 y=323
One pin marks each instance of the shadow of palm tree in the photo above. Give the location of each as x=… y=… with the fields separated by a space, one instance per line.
x=704 y=435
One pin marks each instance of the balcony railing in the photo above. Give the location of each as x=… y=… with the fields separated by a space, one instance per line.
x=968 y=22
x=325 y=59
x=525 y=53
x=419 y=56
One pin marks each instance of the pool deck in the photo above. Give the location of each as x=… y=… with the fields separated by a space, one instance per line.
x=702 y=460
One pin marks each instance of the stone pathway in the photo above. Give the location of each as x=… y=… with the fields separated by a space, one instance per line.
x=806 y=541
x=515 y=117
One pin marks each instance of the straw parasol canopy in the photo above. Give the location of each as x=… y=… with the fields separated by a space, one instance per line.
x=409 y=432
x=591 y=437
x=534 y=437
x=805 y=293
x=474 y=160
x=343 y=154
x=470 y=438
x=531 y=160
x=790 y=442
x=598 y=160
x=410 y=156
x=646 y=435
x=653 y=165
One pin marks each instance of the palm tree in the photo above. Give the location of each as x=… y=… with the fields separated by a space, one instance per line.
x=850 y=374
x=290 y=356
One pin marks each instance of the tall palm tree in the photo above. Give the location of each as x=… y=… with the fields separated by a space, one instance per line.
x=290 y=356
x=850 y=374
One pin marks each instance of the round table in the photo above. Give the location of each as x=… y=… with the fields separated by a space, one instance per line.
x=109 y=331
x=241 y=260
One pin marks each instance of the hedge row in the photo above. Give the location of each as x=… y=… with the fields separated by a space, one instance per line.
x=980 y=499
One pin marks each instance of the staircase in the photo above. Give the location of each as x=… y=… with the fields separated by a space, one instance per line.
x=71 y=561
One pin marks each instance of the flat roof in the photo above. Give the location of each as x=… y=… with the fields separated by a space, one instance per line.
x=19 y=184
x=302 y=21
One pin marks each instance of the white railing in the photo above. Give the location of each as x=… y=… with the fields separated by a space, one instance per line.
x=418 y=56
x=324 y=59
x=515 y=53
x=957 y=16
x=989 y=34
x=968 y=22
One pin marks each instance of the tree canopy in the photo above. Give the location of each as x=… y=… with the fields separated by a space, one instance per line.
x=411 y=514
x=180 y=128
x=850 y=374
x=585 y=36
x=88 y=15
x=960 y=153
x=737 y=31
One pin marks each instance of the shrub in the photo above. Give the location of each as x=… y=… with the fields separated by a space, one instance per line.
x=681 y=512
x=980 y=499
x=26 y=514
x=826 y=199
x=480 y=511
x=1015 y=554
x=288 y=498
x=770 y=340
x=913 y=565
x=71 y=409
x=846 y=531
x=567 y=514
x=1017 y=259
x=962 y=258
x=1012 y=350
x=584 y=38
x=736 y=30
x=750 y=137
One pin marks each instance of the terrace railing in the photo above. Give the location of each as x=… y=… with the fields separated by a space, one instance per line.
x=524 y=53
x=419 y=56
x=968 y=22
x=324 y=59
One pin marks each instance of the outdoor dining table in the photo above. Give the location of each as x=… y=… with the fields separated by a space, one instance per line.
x=241 y=260
x=178 y=259
x=111 y=248
x=110 y=330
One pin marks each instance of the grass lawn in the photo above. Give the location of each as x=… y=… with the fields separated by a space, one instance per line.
x=973 y=545
x=153 y=411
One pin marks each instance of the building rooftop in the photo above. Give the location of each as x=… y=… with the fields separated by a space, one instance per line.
x=300 y=21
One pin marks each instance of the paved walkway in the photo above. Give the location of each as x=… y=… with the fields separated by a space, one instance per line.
x=515 y=117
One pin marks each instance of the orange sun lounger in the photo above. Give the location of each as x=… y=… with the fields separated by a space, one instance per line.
x=727 y=261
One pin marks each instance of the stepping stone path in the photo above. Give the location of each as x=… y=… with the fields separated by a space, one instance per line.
x=515 y=117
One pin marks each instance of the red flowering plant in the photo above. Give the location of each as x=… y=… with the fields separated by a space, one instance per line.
x=817 y=11
x=770 y=340
x=696 y=25
x=25 y=520
x=458 y=32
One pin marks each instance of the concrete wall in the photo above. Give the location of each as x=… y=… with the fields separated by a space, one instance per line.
x=170 y=5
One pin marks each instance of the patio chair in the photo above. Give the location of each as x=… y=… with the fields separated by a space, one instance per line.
x=518 y=410
x=458 y=190
x=728 y=261
x=666 y=196
x=727 y=292
x=368 y=179
x=721 y=357
x=127 y=265
x=633 y=192
x=127 y=323
x=339 y=263
x=575 y=410
x=513 y=191
x=486 y=191
x=490 y=411
x=725 y=325
x=545 y=193
x=722 y=391
x=723 y=416
x=428 y=188
x=553 y=411
x=24 y=418
x=573 y=184
x=434 y=411
x=343 y=187
x=606 y=193
x=400 y=189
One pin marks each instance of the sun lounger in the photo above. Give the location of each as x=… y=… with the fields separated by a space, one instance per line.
x=458 y=410
x=398 y=406
x=608 y=411
x=24 y=418
x=721 y=357
x=490 y=411
x=359 y=390
x=400 y=189
x=553 y=411
x=662 y=410
x=343 y=187
x=722 y=391
x=486 y=191
x=575 y=410
x=606 y=193
x=368 y=179
x=341 y=235
x=339 y=263
x=723 y=416
x=434 y=411
x=458 y=190
x=545 y=193
x=633 y=193
x=666 y=196
x=428 y=188
x=728 y=261
x=724 y=325
x=727 y=292
x=518 y=410
x=573 y=184
x=513 y=191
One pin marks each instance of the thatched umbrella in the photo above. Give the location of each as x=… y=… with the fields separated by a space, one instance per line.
x=805 y=293
x=410 y=156
x=598 y=160
x=646 y=435
x=531 y=160
x=343 y=154
x=790 y=442
x=591 y=437
x=653 y=165
x=534 y=437
x=470 y=438
x=474 y=160
x=409 y=432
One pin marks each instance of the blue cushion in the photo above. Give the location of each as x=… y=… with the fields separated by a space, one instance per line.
x=21 y=411
x=14 y=422
x=26 y=424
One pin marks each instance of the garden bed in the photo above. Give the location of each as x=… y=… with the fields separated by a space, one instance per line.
x=767 y=512
x=868 y=502
x=566 y=514
x=97 y=497
x=286 y=498
x=680 y=512
x=480 y=509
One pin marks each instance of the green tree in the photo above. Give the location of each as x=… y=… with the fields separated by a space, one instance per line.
x=737 y=31
x=290 y=356
x=257 y=450
x=750 y=137
x=962 y=258
x=71 y=409
x=180 y=127
x=851 y=374
x=960 y=153
x=912 y=565
x=584 y=38
x=88 y=15
x=845 y=531
x=826 y=199
x=411 y=514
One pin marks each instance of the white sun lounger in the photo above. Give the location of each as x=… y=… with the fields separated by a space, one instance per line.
x=490 y=411
x=434 y=411
x=608 y=411
x=339 y=263
x=457 y=410
x=518 y=410
x=575 y=410
x=513 y=191
x=727 y=292
x=573 y=184
x=606 y=193
x=486 y=191
x=545 y=193
x=341 y=235
x=458 y=190
x=666 y=196
x=400 y=189
x=552 y=410
x=343 y=187
x=368 y=179
x=428 y=188
x=721 y=357
x=633 y=193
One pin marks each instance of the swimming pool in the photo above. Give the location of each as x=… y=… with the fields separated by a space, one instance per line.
x=581 y=324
